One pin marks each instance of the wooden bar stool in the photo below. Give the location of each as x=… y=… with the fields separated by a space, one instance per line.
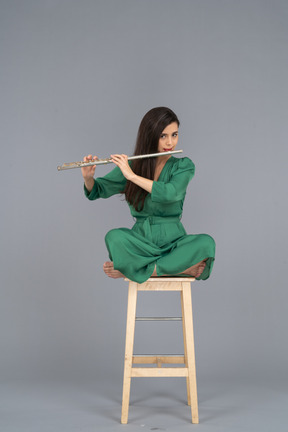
x=188 y=359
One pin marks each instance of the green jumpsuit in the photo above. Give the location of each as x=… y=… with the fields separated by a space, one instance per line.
x=158 y=236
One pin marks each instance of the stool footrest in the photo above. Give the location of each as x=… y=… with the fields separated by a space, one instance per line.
x=156 y=359
x=159 y=372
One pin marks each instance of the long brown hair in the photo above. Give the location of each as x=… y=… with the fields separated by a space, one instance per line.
x=149 y=132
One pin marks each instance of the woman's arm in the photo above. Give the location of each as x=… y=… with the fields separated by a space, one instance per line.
x=122 y=162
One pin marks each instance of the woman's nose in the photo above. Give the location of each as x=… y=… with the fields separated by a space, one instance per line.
x=169 y=140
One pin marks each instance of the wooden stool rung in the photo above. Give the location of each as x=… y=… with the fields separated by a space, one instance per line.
x=143 y=359
x=159 y=372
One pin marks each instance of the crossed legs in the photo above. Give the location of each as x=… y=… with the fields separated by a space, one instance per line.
x=193 y=271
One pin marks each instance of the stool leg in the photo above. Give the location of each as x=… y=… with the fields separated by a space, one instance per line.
x=130 y=329
x=189 y=335
x=185 y=350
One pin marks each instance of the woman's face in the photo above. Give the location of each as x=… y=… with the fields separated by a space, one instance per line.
x=169 y=138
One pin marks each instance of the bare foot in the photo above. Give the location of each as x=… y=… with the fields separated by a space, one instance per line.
x=108 y=268
x=196 y=270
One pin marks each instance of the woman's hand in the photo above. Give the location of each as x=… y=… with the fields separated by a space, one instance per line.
x=88 y=172
x=122 y=162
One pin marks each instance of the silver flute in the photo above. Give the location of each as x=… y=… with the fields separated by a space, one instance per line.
x=82 y=164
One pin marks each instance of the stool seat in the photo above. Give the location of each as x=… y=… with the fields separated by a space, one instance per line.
x=188 y=370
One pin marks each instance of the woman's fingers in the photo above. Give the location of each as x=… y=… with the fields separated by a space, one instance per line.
x=121 y=160
x=119 y=157
x=90 y=170
x=89 y=158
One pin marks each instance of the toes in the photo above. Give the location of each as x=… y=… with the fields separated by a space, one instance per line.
x=114 y=274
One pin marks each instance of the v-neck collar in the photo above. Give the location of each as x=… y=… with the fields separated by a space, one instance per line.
x=164 y=166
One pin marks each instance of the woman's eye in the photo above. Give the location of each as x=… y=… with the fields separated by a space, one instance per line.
x=175 y=134
x=163 y=136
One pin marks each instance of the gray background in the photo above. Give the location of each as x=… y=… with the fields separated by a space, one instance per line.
x=76 y=78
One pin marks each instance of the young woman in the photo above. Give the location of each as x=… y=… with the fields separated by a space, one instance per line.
x=154 y=188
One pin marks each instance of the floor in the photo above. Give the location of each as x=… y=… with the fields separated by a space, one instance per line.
x=156 y=405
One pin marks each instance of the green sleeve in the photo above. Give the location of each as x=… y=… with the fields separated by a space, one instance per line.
x=175 y=189
x=104 y=187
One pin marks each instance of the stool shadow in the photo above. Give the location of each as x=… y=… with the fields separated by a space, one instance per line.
x=150 y=405
x=159 y=403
